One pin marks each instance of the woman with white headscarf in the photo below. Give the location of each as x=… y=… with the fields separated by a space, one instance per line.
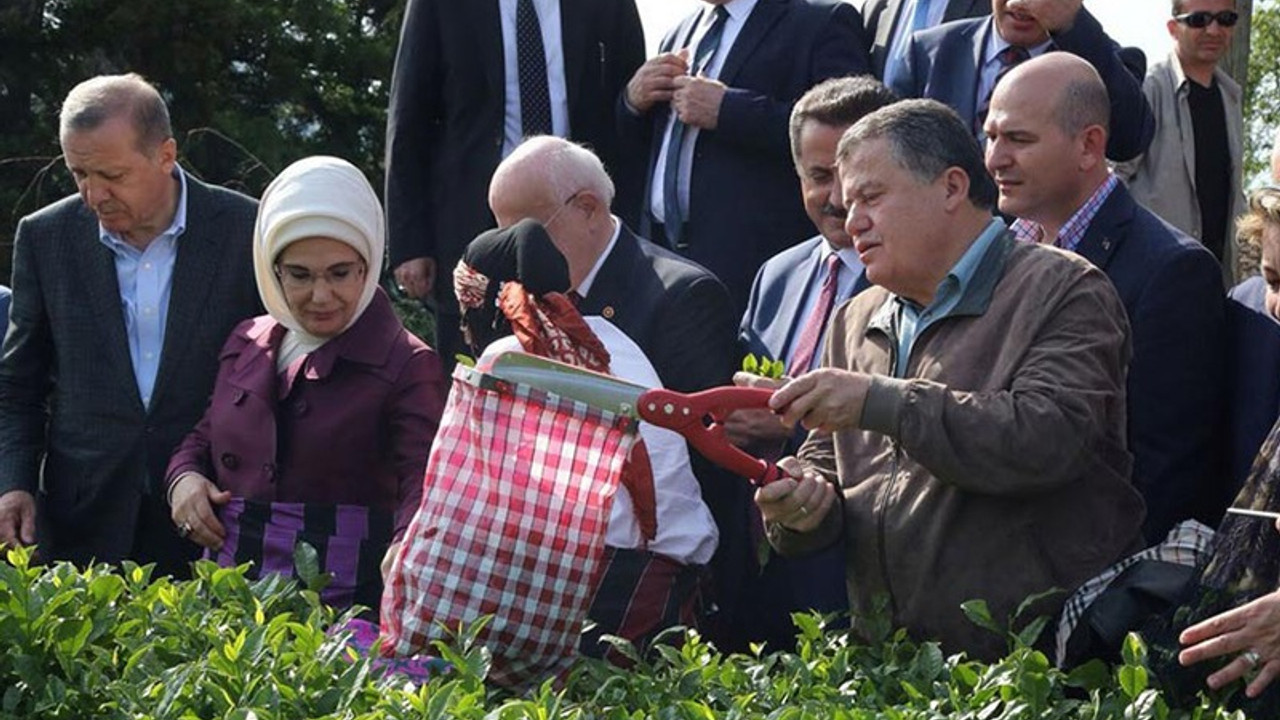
x=324 y=409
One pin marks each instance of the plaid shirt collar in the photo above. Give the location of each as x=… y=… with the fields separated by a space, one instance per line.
x=1073 y=230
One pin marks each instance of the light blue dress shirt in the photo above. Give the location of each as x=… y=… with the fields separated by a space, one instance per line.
x=913 y=16
x=549 y=23
x=913 y=319
x=146 y=282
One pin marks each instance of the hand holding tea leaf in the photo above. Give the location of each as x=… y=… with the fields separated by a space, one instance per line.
x=747 y=428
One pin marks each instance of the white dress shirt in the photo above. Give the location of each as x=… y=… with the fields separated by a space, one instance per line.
x=553 y=46
x=739 y=11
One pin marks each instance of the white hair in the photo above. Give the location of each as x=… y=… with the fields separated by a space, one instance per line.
x=564 y=168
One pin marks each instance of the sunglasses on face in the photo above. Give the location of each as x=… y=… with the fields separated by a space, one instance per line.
x=1202 y=18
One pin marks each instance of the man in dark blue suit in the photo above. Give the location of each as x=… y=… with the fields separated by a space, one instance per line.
x=1045 y=138
x=710 y=112
x=458 y=107
x=890 y=23
x=959 y=63
x=786 y=303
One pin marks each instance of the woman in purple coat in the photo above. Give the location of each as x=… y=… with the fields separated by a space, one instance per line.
x=324 y=409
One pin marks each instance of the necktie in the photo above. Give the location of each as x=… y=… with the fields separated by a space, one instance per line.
x=535 y=95
x=1009 y=58
x=673 y=214
x=807 y=344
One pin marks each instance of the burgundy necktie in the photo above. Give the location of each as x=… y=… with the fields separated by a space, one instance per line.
x=1010 y=58
x=807 y=344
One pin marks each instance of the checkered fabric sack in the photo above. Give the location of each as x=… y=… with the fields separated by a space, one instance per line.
x=515 y=503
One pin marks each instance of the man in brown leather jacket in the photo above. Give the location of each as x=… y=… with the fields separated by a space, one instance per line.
x=969 y=415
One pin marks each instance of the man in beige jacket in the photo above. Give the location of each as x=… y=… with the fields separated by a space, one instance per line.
x=969 y=416
x=1191 y=174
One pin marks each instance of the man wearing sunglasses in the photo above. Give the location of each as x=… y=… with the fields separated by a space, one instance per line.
x=1191 y=174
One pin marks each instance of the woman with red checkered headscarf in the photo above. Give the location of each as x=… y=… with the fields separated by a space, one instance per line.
x=512 y=287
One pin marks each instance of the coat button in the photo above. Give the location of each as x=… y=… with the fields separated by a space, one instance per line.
x=300 y=408
x=230 y=461
x=237 y=397
x=269 y=471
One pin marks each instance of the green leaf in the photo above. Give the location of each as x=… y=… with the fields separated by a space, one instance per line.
x=1134 y=650
x=750 y=363
x=464 y=360
x=306 y=563
x=1133 y=679
x=979 y=614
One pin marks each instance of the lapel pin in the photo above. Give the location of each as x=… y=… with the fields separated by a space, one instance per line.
x=607 y=312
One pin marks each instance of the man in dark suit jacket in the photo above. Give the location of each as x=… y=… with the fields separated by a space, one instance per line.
x=677 y=312
x=786 y=300
x=1253 y=396
x=959 y=63
x=122 y=297
x=1057 y=182
x=886 y=23
x=731 y=97
x=455 y=112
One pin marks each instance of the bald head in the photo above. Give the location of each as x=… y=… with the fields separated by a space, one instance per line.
x=549 y=168
x=563 y=186
x=1047 y=138
x=1068 y=84
x=94 y=102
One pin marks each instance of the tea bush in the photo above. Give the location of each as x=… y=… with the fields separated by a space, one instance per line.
x=117 y=643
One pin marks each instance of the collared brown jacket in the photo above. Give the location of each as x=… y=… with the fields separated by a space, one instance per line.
x=996 y=468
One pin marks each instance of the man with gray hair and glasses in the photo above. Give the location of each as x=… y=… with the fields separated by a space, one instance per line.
x=122 y=296
x=968 y=416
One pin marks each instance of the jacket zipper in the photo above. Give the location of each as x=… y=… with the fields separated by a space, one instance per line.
x=882 y=502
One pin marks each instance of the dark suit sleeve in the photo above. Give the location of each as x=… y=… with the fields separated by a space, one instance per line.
x=635 y=129
x=759 y=121
x=697 y=348
x=909 y=81
x=629 y=159
x=25 y=372
x=749 y=340
x=1176 y=390
x=412 y=129
x=413 y=417
x=626 y=45
x=1132 y=122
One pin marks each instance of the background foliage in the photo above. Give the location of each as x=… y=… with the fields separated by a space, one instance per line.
x=251 y=84
x=1262 y=92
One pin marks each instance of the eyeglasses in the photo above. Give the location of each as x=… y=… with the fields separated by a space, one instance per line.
x=567 y=201
x=296 y=277
x=1201 y=18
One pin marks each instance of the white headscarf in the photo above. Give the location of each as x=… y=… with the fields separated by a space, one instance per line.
x=318 y=196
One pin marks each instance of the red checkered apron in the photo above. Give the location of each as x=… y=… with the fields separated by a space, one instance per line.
x=515 y=503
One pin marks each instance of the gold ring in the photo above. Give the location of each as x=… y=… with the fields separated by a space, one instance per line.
x=184 y=530
x=804 y=510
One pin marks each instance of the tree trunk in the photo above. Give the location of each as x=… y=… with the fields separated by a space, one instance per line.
x=1237 y=60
